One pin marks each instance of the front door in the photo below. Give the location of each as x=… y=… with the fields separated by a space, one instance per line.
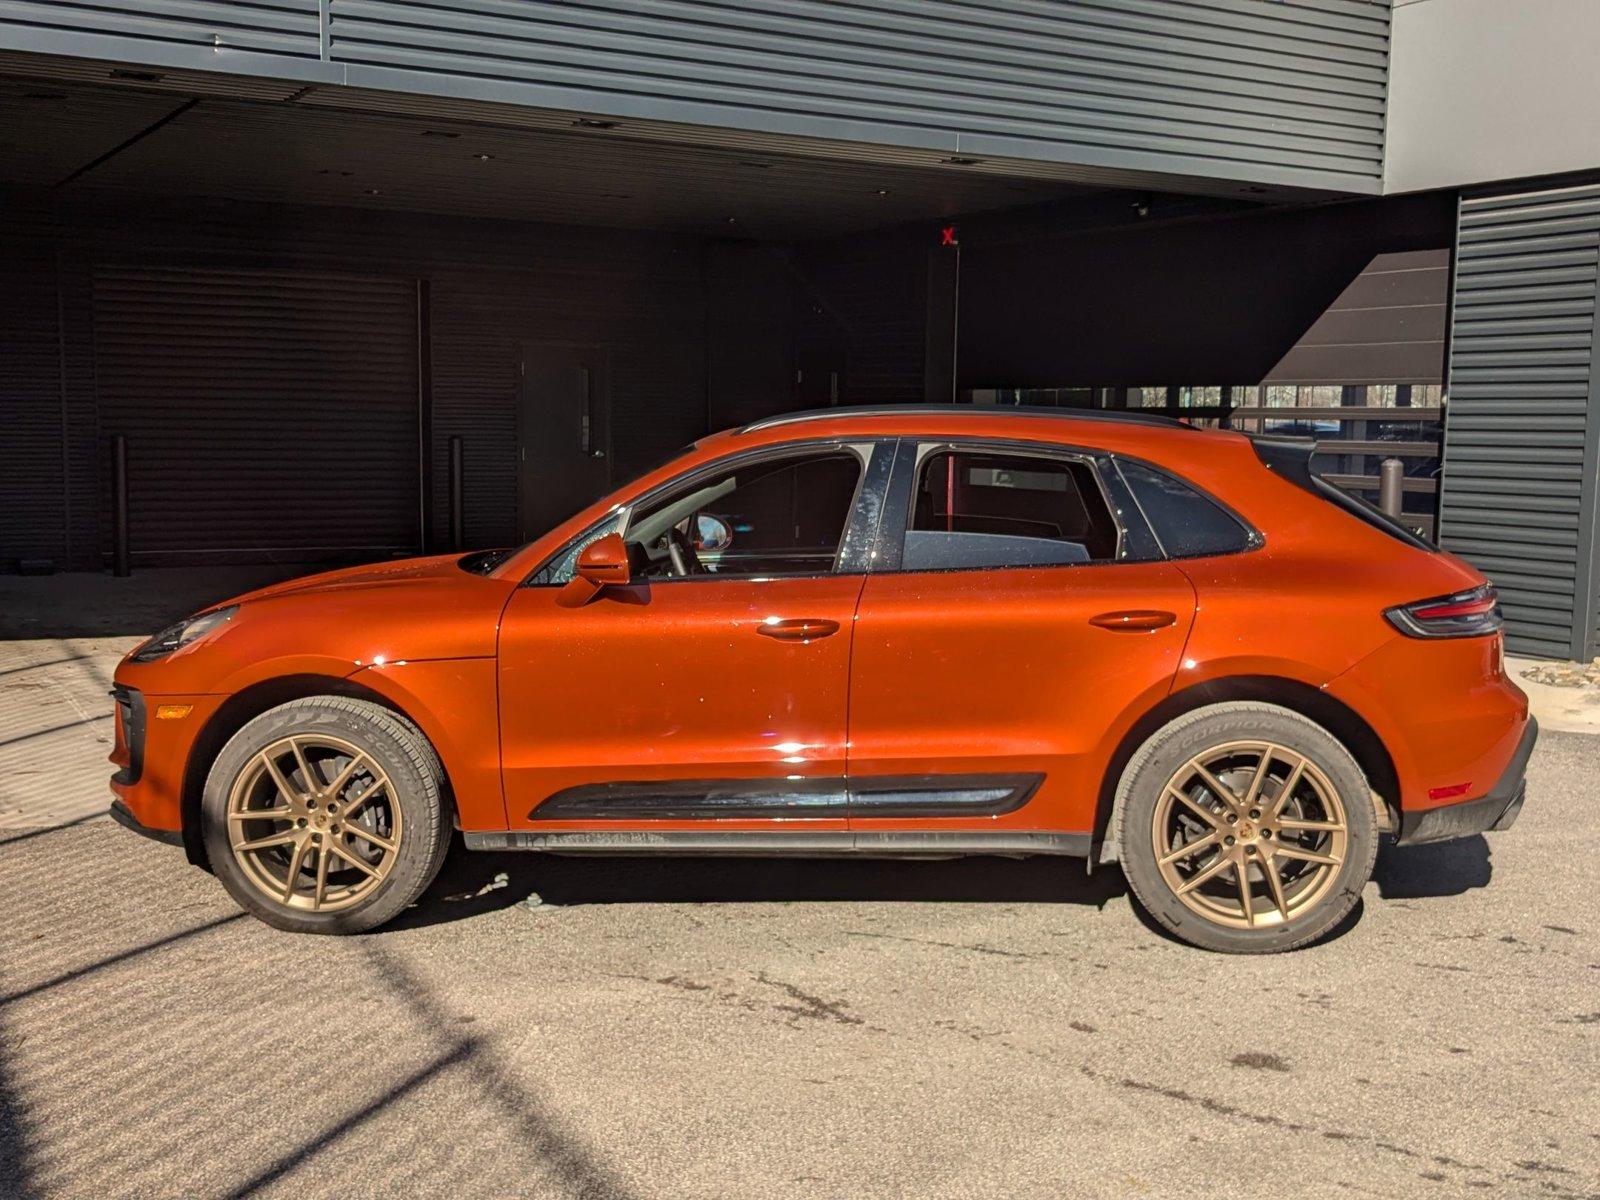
x=1006 y=637
x=709 y=694
x=563 y=451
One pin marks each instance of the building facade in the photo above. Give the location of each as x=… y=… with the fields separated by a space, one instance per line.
x=339 y=279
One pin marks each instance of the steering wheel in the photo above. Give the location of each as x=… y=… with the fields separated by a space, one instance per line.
x=681 y=551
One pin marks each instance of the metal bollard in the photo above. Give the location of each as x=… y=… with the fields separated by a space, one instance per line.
x=457 y=520
x=120 y=565
x=1391 y=472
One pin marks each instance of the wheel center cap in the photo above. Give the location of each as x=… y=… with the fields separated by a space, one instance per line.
x=1247 y=831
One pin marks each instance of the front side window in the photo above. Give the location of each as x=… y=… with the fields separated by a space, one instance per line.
x=993 y=508
x=767 y=517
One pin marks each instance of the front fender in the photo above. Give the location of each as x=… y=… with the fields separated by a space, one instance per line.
x=453 y=702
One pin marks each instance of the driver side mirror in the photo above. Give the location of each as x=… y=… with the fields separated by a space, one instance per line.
x=602 y=563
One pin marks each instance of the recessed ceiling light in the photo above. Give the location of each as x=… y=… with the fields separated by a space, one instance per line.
x=957 y=160
x=881 y=192
x=372 y=191
x=592 y=123
x=733 y=220
x=484 y=157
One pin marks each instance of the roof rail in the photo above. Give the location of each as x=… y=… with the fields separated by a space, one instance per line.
x=1133 y=416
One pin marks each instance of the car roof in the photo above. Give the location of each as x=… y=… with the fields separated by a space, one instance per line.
x=868 y=412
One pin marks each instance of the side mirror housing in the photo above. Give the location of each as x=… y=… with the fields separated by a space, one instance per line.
x=602 y=563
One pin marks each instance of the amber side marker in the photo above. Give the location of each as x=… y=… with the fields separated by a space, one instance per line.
x=173 y=712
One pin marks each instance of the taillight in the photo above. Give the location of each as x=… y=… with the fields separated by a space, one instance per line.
x=1465 y=614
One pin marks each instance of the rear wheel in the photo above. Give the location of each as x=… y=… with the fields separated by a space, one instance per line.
x=326 y=815
x=1246 y=828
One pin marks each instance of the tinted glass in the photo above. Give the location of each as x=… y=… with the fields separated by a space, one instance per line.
x=1188 y=523
x=771 y=517
x=987 y=509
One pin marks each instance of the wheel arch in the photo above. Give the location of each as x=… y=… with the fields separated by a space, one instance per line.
x=246 y=705
x=1352 y=730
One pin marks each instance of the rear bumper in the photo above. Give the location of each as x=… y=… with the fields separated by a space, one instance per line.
x=1496 y=811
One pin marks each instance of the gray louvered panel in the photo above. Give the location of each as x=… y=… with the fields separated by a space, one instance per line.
x=288 y=27
x=1249 y=89
x=1518 y=490
x=265 y=411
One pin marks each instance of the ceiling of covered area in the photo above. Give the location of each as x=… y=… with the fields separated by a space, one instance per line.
x=78 y=127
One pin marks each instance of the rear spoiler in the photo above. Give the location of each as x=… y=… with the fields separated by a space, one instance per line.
x=1291 y=458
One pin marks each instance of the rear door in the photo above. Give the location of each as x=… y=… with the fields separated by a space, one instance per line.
x=1003 y=642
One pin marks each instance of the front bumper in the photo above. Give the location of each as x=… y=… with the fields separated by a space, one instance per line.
x=154 y=738
x=1496 y=811
x=122 y=816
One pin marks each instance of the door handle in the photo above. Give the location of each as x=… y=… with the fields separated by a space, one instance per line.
x=798 y=629
x=1134 y=620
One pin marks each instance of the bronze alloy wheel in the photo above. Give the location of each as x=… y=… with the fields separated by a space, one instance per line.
x=1249 y=834
x=314 y=823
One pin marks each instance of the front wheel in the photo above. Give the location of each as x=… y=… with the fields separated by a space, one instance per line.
x=1246 y=828
x=326 y=815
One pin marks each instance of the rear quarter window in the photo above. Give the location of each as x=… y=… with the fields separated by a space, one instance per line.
x=1187 y=522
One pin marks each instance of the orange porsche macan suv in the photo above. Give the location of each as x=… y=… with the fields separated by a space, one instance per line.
x=908 y=631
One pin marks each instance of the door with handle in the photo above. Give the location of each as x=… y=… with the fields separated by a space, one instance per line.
x=1007 y=641
x=711 y=690
x=564 y=431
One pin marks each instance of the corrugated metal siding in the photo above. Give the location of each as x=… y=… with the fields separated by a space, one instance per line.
x=33 y=496
x=1288 y=91
x=1248 y=88
x=290 y=27
x=1275 y=92
x=869 y=296
x=1387 y=326
x=1516 y=482
x=495 y=287
x=265 y=411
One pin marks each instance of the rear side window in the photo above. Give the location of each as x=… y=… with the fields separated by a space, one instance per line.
x=1188 y=523
x=975 y=509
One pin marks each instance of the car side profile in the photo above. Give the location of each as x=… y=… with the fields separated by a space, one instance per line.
x=909 y=631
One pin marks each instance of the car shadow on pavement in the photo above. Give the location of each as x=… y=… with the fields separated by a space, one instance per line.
x=1433 y=869
x=475 y=882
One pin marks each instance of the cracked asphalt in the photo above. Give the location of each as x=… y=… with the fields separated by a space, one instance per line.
x=692 y=1028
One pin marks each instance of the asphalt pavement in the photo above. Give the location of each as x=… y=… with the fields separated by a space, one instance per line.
x=693 y=1028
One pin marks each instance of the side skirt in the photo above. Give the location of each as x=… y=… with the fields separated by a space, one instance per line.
x=799 y=844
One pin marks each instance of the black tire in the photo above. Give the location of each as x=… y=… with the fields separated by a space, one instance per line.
x=417 y=786
x=1193 y=736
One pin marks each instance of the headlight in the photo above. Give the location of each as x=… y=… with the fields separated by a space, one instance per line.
x=181 y=634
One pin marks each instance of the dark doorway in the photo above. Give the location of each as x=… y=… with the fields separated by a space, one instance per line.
x=564 y=433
